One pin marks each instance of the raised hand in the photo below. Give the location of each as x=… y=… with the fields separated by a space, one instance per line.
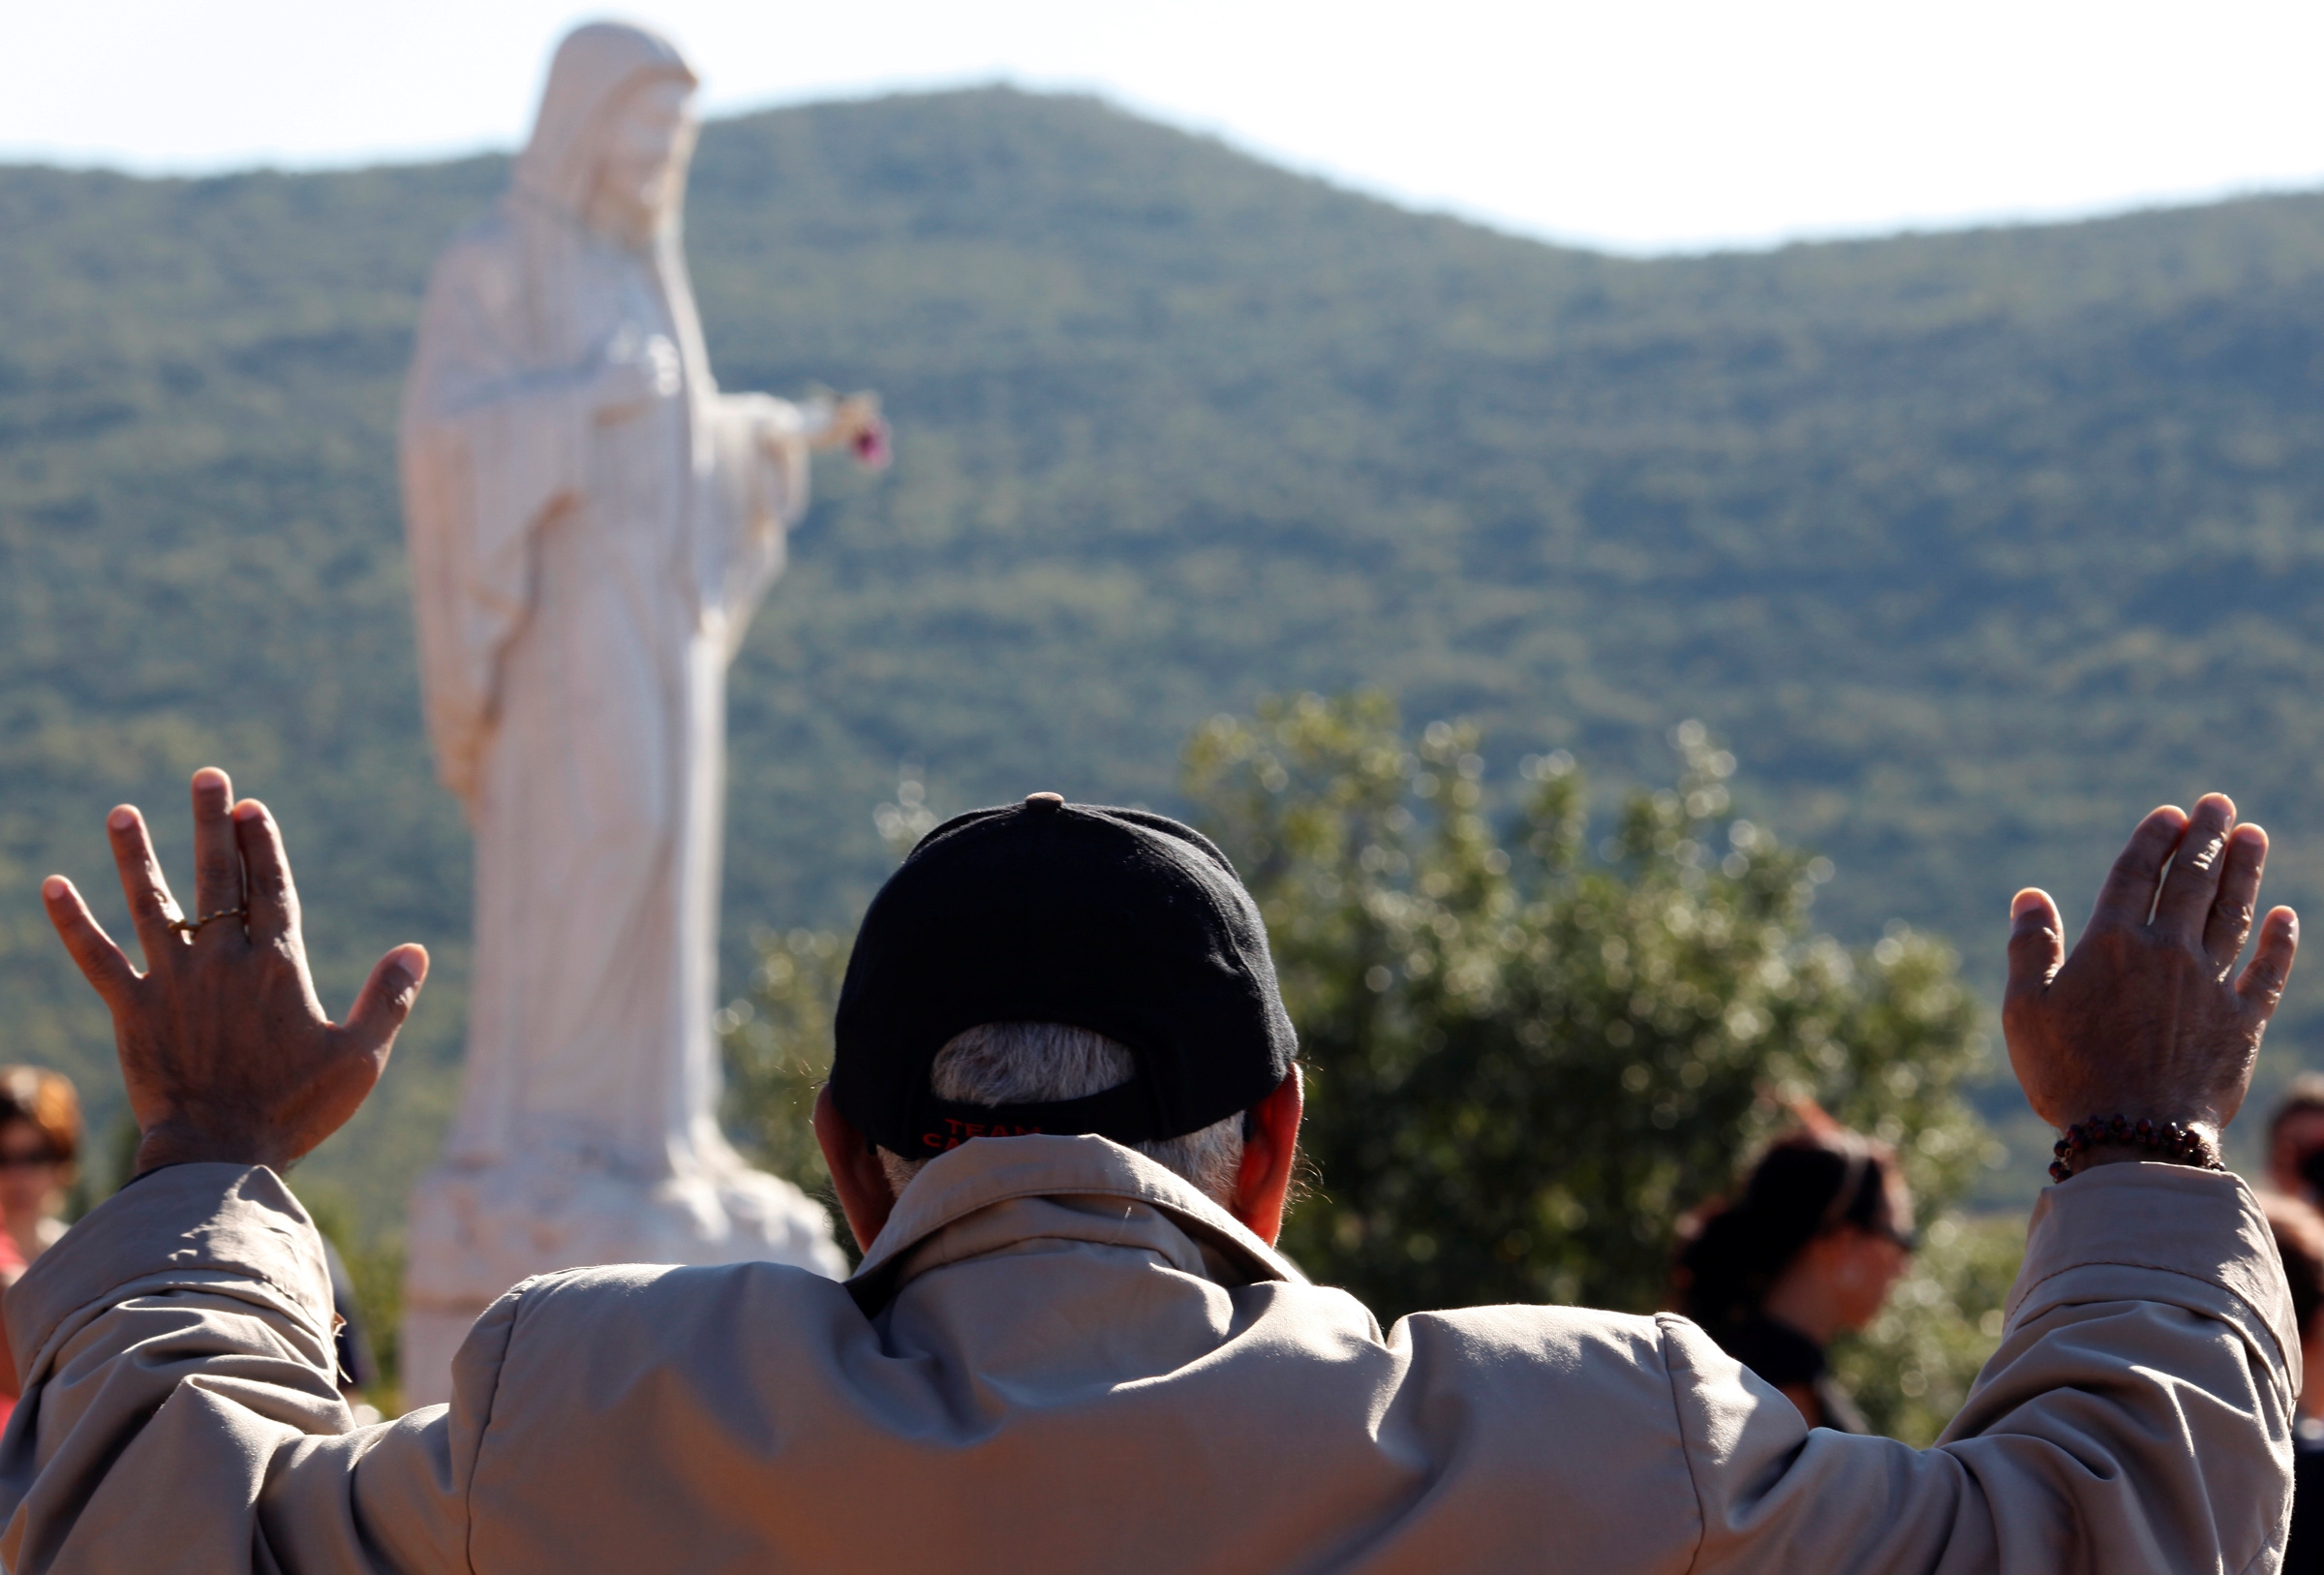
x=853 y=420
x=2149 y=1018
x=227 y=1052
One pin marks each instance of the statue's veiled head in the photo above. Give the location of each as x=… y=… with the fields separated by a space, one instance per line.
x=615 y=131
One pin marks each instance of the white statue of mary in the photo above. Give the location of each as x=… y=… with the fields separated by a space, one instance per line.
x=591 y=524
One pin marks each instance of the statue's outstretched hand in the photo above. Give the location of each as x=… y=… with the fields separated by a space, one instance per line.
x=225 y=1049
x=2147 y=1018
x=852 y=420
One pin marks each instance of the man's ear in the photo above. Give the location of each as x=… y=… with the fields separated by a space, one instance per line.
x=855 y=1170
x=1270 y=1149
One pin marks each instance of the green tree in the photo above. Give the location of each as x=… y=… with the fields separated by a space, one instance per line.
x=776 y=1040
x=1528 y=1053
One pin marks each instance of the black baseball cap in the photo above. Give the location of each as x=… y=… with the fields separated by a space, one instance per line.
x=1119 y=921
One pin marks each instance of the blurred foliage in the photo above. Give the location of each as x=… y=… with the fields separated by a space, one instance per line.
x=777 y=1039
x=1530 y=1051
x=1911 y=1370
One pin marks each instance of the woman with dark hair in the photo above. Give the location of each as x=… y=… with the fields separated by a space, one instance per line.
x=1823 y=1229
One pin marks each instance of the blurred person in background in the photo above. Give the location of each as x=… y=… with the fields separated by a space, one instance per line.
x=11 y=1269
x=1823 y=1229
x=2299 y=1231
x=40 y=1152
x=40 y=1147
x=2296 y=1140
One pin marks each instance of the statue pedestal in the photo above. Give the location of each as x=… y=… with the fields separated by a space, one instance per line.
x=475 y=1230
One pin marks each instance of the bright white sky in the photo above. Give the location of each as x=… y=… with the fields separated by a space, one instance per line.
x=1650 y=125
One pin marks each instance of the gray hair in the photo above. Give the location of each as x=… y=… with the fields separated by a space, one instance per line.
x=1036 y=1063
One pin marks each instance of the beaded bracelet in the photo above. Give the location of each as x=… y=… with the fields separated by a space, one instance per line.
x=2171 y=1141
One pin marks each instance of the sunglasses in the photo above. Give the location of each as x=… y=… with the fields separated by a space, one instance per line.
x=1851 y=1184
x=28 y=1161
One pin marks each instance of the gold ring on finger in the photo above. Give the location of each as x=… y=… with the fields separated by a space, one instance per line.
x=192 y=927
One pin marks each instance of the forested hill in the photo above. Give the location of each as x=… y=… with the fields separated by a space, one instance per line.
x=1973 y=546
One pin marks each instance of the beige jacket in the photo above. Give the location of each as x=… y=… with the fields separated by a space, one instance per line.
x=1059 y=1357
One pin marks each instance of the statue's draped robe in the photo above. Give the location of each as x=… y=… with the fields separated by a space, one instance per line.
x=581 y=588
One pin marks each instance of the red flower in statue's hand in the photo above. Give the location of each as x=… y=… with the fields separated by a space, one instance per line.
x=872 y=445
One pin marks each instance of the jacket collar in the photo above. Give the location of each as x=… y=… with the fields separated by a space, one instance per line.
x=1176 y=1220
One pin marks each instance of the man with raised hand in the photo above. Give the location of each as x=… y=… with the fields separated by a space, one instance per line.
x=1061 y=1122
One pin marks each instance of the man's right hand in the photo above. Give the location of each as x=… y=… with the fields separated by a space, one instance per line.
x=226 y=1051
x=2147 y=1018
